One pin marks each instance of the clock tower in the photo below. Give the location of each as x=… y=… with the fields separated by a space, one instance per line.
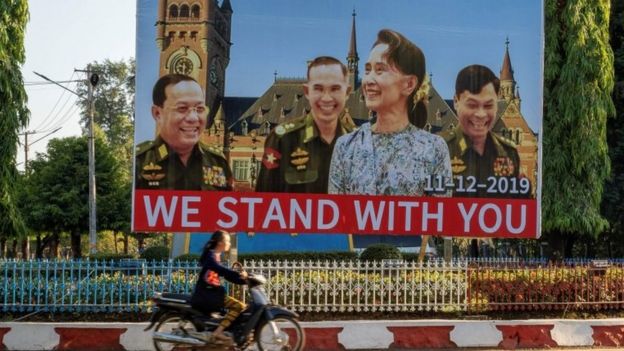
x=194 y=39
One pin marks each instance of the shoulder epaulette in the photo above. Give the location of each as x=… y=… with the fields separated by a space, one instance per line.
x=448 y=135
x=211 y=149
x=143 y=147
x=505 y=141
x=290 y=126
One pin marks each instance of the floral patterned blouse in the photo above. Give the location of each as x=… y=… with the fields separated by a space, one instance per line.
x=398 y=163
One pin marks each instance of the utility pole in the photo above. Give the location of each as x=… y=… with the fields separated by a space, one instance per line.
x=92 y=82
x=27 y=144
x=26 y=151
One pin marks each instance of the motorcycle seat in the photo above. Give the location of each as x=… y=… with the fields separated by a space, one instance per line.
x=179 y=298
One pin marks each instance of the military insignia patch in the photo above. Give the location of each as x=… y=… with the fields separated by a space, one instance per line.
x=271 y=158
x=150 y=173
x=503 y=167
x=280 y=130
x=214 y=176
x=299 y=158
x=457 y=165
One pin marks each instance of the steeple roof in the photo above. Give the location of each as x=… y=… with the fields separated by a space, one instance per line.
x=226 y=5
x=506 y=72
x=352 y=43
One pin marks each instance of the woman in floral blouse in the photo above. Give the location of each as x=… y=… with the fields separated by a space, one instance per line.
x=392 y=156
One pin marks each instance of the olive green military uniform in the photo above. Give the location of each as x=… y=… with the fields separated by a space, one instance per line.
x=159 y=167
x=500 y=159
x=296 y=159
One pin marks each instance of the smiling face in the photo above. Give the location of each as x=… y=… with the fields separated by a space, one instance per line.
x=385 y=87
x=326 y=90
x=477 y=112
x=182 y=117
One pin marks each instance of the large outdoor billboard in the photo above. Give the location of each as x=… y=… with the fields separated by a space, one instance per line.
x=398 y=118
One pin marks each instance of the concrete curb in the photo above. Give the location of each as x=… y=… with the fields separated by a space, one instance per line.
x=342 y=335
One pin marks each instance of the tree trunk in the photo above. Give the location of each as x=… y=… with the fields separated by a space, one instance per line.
x=38 y=248
x=115 y=241
x=474 y=248
x=25 y=249
x=3 y=247
x=14 y=248
x=569 y=245
x=54 y=246
x=126 y=243
x=75 y=245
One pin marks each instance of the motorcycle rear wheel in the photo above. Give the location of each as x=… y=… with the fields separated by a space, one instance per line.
x=172 y=324
x=289 y=337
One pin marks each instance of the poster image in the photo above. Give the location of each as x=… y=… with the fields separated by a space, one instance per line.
x=327 y=117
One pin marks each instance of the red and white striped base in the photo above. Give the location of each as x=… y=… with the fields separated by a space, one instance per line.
x=342 y=335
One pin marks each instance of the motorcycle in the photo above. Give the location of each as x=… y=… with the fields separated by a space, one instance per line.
x=271 y=327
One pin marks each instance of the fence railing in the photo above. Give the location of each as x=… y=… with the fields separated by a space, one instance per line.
x=321 y=286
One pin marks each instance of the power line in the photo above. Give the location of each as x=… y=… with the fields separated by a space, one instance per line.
x=44 y=121
x=49 y=83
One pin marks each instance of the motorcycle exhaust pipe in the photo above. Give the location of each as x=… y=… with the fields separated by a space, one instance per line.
x=166 y=337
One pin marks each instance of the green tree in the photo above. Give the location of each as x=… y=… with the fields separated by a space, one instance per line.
x=56 y=193
x=613 y=200
x=578 y=81
x=14 y=113
x=114 y=105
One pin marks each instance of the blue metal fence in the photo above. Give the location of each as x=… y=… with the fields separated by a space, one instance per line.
x=127 y=285
x=90 y=286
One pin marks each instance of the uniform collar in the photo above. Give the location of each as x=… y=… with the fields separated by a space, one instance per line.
x=465 y=144
x=163 y=150
x=311 y=131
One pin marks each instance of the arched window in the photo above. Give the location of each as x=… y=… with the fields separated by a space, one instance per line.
x=173 y=11
x=428 y=127
x=184 y=11
x=504 y=132
x=195 y=11
x=518 y=136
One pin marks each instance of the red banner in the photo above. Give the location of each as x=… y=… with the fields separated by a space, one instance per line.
x=205 y=211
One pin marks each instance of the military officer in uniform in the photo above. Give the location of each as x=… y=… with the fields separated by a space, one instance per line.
x=177 y=159
x=474 y=150
x=297 y=154
x=476 y=153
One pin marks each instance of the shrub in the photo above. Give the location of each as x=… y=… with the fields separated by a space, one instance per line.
x=378 y=252
x=156 y=253
x=299 y=256
x=110 y=256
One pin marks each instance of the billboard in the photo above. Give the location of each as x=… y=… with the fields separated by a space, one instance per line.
x=326 y=117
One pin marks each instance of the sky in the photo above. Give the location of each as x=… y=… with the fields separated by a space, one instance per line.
x=276 y=35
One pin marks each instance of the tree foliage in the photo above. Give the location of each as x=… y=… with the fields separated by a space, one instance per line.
x=56 y=196
x=613 y=201
x=578 y=81
x=14 y=113
x=114 y=105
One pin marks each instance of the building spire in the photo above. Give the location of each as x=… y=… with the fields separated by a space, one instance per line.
x=352 y=57
x=353 y=44
x=226 y=5
x=506 y=72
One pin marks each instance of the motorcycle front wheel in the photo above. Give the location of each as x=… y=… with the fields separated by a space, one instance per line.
x=281 y=334
x=176 y=325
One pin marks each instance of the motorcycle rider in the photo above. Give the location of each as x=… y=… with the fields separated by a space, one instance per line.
x=209 y=295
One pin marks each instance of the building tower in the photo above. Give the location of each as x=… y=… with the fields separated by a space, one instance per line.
x=353 y=59
x=194 y=39
x=507 y=83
